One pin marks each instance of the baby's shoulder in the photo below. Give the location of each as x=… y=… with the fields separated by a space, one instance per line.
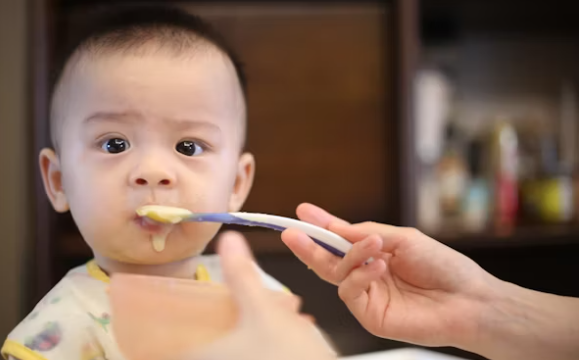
x=60 y=323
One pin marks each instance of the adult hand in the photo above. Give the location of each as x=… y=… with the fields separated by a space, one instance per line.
x=416 y=290
x=268 y=328
x=421 y=291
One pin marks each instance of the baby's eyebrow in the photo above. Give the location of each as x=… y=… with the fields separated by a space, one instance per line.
x=113 y=116
x=135 y=117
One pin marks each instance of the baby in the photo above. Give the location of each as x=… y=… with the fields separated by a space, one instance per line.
x=149 y=110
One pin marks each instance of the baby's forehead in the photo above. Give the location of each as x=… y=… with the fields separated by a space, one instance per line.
x=201 y=80
x=150 y=61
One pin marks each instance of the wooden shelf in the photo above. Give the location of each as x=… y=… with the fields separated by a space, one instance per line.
x=538 y=235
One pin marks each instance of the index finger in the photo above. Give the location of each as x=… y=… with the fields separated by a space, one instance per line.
x=313 y=255
x=316 y=215
x=392 y=236
x=353 y=233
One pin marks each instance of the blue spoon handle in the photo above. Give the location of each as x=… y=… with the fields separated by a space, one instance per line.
x=330 y=241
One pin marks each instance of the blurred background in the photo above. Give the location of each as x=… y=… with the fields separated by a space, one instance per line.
x=457 y=117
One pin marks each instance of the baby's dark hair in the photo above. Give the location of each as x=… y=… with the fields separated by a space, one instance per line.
x=129 y=28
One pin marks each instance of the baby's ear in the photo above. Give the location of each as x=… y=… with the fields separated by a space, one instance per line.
x=52 y=178
x=243 y=181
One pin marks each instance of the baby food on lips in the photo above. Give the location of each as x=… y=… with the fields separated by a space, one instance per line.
x=165 y=215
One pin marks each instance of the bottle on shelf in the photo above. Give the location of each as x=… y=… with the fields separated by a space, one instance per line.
x=475 y=211
x=452 y=176
x=505 y=162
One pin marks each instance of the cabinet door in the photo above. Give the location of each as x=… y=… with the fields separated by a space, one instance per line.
x=319 y=120
x=319 y=103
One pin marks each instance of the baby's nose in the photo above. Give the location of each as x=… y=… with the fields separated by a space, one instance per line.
x=153 y=178
x=143 y=181
x=152 y=169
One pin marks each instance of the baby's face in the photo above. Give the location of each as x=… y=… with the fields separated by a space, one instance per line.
x=152 y=129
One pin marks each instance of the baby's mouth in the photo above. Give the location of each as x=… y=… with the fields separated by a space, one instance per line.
x=159 y=220
x=151 y=225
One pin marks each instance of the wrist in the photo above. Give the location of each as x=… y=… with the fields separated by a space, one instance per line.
x=484 y=302
x=518 y=323
x=500 y=321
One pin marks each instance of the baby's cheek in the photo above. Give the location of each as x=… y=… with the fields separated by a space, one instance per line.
x=201 y=232
x=209 y=200
x=88 y=192
x=97 y=215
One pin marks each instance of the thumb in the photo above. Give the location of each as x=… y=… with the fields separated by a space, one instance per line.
x=240 y=273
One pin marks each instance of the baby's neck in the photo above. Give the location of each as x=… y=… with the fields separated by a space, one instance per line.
x=184 y=269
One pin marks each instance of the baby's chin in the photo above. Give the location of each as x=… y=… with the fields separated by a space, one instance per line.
x=137 y=247
x=144 y=251
x=150 y=256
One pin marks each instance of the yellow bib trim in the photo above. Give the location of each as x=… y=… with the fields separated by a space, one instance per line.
x=19 y=351
x=96 y=272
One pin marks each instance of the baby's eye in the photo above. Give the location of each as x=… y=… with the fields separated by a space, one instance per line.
x=189 y=148
x=115 y=146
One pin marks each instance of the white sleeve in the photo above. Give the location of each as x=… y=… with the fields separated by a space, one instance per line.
x=57 y=329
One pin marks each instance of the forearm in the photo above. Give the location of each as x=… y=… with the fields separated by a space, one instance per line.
x=518 y=323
